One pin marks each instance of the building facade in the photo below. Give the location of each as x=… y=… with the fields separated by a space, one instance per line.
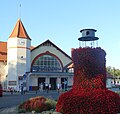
x=49 y=65
x=31 y=66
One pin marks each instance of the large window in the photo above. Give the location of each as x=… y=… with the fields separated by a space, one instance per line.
x=47 y=63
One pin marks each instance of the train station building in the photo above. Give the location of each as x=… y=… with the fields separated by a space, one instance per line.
x=31 y=66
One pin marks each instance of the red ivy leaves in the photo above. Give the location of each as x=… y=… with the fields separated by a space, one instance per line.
x=89 y=61
x=89 y=94
x=97 y=101
x=88 y=84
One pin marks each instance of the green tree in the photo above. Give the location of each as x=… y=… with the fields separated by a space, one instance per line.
x=113 y=71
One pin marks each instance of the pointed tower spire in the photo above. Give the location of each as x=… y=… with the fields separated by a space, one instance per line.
x=19 y=31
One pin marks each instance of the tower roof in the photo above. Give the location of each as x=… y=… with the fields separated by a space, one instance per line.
x=19 y=31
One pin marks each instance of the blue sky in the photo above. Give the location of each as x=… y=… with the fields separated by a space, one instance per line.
x=61 y=20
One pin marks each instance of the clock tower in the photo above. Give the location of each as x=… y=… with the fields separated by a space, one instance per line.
x=18 y=54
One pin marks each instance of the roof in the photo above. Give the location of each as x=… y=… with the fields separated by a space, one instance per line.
x=88 y=29
x=32 y=47
x=19 y=31
x=48 y=42
x=71 y=65
x=3 y=51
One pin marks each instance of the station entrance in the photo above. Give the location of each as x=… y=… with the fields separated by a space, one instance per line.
x=53 y=83
x=41 y=80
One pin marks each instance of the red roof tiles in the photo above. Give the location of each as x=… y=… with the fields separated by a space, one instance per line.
x=19 y=31
x=3 y=51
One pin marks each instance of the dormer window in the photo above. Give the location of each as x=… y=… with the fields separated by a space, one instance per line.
x=87 y=33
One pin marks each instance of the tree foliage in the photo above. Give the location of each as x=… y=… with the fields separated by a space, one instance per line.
x=113 y=71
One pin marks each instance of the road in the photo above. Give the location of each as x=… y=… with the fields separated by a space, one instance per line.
x=15 y=99
x=10 y=100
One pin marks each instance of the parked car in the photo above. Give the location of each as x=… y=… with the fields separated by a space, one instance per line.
x=1 y=91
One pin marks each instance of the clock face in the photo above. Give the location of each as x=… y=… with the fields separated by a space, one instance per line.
x=21 y=42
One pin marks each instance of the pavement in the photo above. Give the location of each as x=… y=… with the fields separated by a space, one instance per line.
x=9 y=102
x=11 y=110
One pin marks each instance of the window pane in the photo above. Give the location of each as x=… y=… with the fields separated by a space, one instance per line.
x=47 y=63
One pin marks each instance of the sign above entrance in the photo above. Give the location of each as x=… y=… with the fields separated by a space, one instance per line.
x=45 y=69
x=12 y=83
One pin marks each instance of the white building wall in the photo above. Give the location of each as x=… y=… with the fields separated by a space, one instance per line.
x=3 y=74
x=28 y=60
x=47 y=80
x=23 y=58
x=12 y=42
x=58 y=80
x=65 y=60
x=21 y=61
x=18 y=59
x=108 y=83
x=12 y=59
x=70 y=81
x=33 y=81
x=28 y=56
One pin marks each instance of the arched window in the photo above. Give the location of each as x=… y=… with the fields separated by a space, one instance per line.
x=47 y=63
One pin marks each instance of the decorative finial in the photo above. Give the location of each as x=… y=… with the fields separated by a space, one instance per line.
x=19 y=10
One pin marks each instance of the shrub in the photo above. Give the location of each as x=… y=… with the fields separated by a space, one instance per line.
x=51 y=104
x=38 y=104
x=21 y=110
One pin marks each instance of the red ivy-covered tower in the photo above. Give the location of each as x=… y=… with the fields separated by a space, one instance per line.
x=89 y=63
x=89 y=94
